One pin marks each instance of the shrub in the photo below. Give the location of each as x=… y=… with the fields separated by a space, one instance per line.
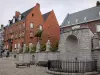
x=43 y=47
x=32 y=49
x=27 y=49
x=54 y=47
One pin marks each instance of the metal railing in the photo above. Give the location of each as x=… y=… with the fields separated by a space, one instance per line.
x=72 y=66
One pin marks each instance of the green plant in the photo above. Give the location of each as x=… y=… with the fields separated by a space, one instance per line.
x=32 y=49
x=39 y=34
x=27 y=49
x=54 y=47
x=43 y=47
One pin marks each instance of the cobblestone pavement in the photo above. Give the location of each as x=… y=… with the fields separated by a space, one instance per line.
x=8 y=67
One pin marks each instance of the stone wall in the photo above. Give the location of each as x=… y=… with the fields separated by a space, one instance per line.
x=82 y=49
x=45 y=56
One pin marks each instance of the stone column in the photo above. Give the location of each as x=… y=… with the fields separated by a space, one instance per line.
x=48 y=45
x=24 y=48
x=30 y=47
x=38 y=47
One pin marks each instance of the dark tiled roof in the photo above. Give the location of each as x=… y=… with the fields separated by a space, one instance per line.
x=45 y=16
x=23 y=15
x=88 y=14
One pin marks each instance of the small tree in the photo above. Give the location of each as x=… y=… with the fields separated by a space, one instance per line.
x=38 y=35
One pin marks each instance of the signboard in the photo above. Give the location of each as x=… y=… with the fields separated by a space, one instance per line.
x=76 y=27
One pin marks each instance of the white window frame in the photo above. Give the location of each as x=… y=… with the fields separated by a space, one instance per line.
x=15 y=45
x=19 y=17
x=31 y=25
x=40 y=27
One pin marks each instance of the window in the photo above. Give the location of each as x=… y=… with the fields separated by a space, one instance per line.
x=13 y=20
x=32 y=15
x=19 y=46
x=19 y=26
x=7 y=47
x=68 y=22
x=31 y=34
x=98 y=28
x=15 y=46
x=76 y=20
x=31 y=25
x=23 y=25
x=24 y=45
x=99 y=14
x=40 y=27
x=85 y=18
x=19 y=17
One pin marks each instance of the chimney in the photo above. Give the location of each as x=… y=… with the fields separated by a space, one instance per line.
x=17 y=13
x=98 y=3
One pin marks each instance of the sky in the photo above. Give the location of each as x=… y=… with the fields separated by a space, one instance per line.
x=60 y=7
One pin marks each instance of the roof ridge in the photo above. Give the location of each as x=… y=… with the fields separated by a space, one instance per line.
x=82 y=10
x=91 y=14
x=27 y=10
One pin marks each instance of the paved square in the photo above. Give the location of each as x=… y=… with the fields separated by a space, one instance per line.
x=8 y=67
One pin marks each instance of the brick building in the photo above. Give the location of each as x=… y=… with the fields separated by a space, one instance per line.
x=1 y=38
x=24 y=26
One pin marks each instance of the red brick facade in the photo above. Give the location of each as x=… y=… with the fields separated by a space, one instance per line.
x=21 y=33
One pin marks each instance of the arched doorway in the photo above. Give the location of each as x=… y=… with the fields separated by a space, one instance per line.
x=72 y=47
x=32 y=59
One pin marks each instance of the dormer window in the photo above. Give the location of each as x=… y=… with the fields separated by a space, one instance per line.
x=98 y=28
x=9 y=22
x=19 y=17
x=68 y=22
x=85 y=18
x=99 y=13
x=40 y=27
x=13 y=20
x=76 y=20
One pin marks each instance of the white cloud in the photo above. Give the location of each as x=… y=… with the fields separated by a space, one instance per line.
x=60 y=7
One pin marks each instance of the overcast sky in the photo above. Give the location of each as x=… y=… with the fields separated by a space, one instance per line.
x=60 y=7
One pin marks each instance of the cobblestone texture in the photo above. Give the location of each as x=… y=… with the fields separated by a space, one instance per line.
x=8 y=67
